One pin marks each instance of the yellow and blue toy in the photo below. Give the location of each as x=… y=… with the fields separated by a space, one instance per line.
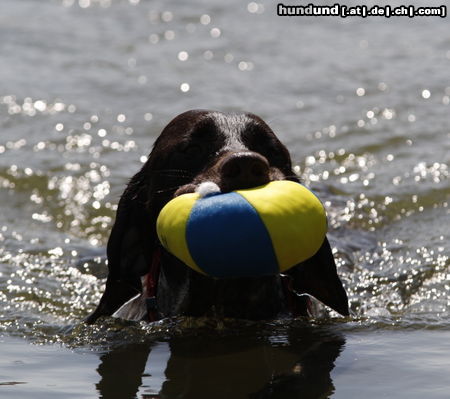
x=245 y=233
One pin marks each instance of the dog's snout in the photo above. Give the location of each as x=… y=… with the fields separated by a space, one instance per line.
x=244 y=170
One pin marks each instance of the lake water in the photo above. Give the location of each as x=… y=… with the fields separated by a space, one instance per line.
x=362 y=104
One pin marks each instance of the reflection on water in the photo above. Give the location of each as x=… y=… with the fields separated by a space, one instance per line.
x=401 y=364
x=296 y=362
x=121 y=371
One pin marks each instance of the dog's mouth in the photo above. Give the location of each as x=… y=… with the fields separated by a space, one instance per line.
x=234 y=171
x=210 y=187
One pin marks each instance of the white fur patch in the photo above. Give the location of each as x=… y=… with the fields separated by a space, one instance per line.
x=207 y=188
x=135 y=309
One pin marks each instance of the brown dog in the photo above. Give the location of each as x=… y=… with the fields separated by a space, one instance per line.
x=234 y=151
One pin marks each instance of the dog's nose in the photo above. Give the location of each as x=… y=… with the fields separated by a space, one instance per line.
x=244 y=170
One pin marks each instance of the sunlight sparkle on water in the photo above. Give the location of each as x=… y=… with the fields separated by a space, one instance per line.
x=215 y=33
x=183 y=55
x=205 y=19
x=426 y=94
x=184 y=87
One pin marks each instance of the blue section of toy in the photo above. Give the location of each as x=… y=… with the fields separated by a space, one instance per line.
x=227 y=238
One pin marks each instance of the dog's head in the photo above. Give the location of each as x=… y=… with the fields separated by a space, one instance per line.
x=234 y=151
x=231 y=151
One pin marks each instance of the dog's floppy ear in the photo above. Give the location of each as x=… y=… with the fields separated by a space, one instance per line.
x=133 y=239
x=130 y=246
x=318 y=277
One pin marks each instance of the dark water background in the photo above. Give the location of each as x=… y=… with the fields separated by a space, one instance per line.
x=362 y=104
